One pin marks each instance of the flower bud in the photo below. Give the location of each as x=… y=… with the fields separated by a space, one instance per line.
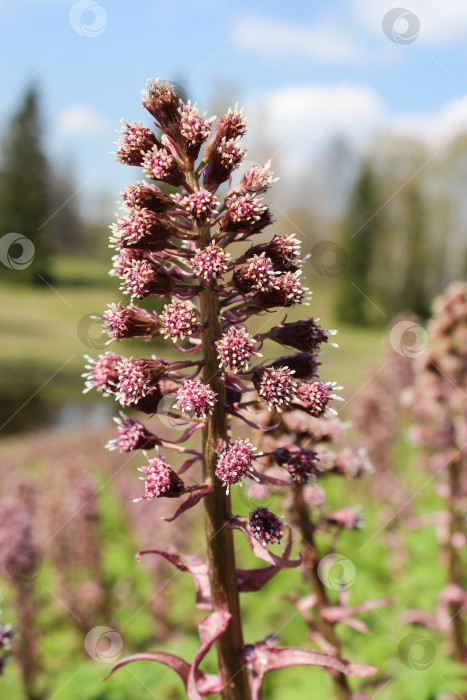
x=306 y=336
x=134 y=142
x=265 y=526
x=161 y=100
x=160 y=480
x=122 y=322
x=304 y=364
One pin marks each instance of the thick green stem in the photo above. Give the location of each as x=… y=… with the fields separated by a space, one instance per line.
x=311 y=561
x=219 y=541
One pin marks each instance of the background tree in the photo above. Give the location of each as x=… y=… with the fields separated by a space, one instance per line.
x=24 y=190
x=361 y=229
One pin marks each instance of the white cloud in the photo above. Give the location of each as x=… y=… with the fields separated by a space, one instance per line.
x=80 y=120
x=323 y=41
x=300 y=120
x=434 y=127
x=440 y=22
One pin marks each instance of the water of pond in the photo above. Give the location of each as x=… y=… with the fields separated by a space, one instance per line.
x=25 y=414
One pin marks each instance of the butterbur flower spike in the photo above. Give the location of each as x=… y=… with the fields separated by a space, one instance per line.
x=198 y=250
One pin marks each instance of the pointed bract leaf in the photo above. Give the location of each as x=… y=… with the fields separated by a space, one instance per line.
x=252 y=580
x=191 y=501
x=210 y=628
x=179 y=665
x=238 y=523
x=195 y=566
x=263 y=657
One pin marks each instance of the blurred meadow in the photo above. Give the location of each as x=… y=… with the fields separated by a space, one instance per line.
x=376 y=193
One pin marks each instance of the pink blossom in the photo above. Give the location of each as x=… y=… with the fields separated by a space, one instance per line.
x=196 y=399
x=180 y=319
x=194 y=129
x=211 y=262
x=300 y=462
x=142 y=278
x=160 y=480
x=284 y=252
x=256 y=180
x=103 y=373
x=132 y=435
x=315 y=396
x=257 y=274
x=138 y=379
x=133 y=143
x=287 y=291
x=275 y=386
x=235 y=349
x=242 y=212
x=143 y=195
x=234 y=463
x=201 y=205
x=160 y=164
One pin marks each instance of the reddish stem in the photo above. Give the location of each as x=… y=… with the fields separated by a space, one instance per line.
x=219 y=541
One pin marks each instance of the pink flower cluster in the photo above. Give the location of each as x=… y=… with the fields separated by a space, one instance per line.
x=234 y=463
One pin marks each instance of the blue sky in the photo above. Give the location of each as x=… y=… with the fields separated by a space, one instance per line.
x=306 y=71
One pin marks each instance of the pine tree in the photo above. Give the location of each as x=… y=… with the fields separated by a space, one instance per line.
x=361 y=228
x=415 y=295
x=24 y=190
